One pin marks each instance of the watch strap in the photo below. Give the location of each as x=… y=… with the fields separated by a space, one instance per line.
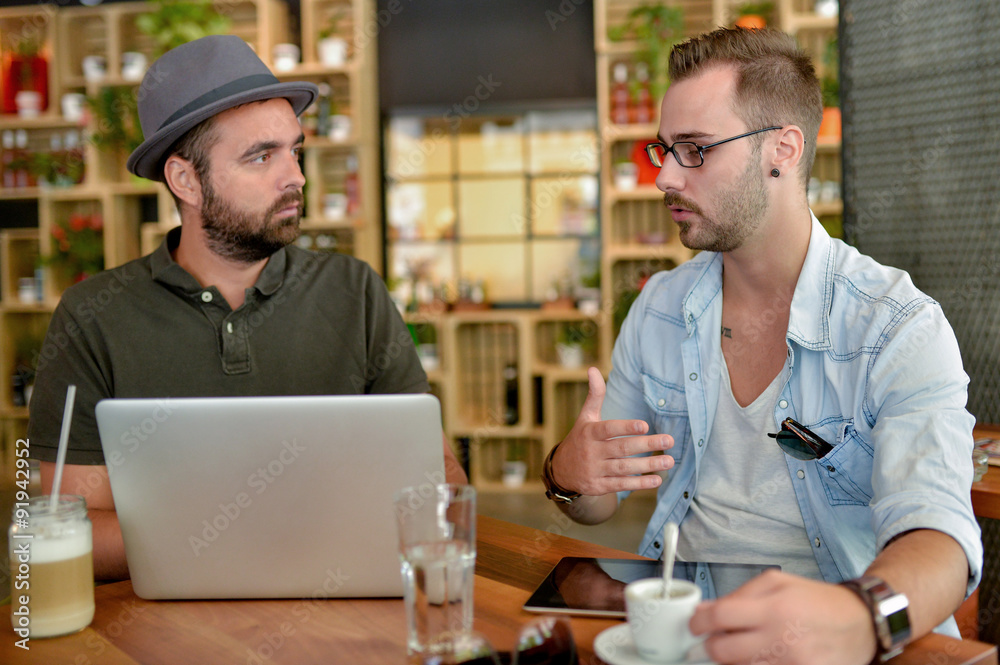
x=552 y=491
x=889 y=614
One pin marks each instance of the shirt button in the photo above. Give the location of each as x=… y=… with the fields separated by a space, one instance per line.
x=693 y=376
x=656 y=544
x=661 y=402
x=783 y=404
x=817 y=542
x=800 y=473
x=229 y=327
x=685 y=495
x=206 y=296
x=701 y=442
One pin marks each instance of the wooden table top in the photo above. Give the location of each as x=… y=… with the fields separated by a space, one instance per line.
x=511 y=561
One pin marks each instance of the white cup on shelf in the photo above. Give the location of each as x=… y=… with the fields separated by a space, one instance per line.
x=95 y=67
x=286 y=57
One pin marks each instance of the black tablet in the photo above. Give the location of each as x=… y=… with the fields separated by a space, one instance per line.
x=596 y=587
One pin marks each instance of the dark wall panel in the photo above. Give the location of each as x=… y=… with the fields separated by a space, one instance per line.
x=921 y=94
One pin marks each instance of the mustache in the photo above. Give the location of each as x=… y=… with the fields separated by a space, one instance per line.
x=286 y=200
x=672 y=200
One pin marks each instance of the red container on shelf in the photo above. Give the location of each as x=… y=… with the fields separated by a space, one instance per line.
x=24 y=72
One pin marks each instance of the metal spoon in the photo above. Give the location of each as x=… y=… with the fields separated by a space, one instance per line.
x=670 y=532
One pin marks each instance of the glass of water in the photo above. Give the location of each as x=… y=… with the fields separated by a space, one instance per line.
x=437 y=549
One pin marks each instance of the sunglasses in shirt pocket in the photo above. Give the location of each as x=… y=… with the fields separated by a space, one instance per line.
x=847 y=471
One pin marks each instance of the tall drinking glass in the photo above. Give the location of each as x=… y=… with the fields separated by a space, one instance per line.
x=437 y=549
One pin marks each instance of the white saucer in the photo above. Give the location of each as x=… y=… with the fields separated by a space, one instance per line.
x=615 y=647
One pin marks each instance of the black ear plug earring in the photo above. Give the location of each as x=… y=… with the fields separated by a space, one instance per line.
x=775 y=173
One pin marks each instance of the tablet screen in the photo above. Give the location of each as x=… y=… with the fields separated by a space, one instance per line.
x=596 y=587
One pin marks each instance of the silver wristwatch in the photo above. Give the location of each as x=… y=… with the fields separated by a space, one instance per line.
x=889 y=614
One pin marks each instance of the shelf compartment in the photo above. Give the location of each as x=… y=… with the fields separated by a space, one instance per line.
x=640 y=222
x=549 y=334
x=19 y=255
x=487 y=455
x=23 y=333
x=486 y=350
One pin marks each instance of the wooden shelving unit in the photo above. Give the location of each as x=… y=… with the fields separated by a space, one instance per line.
x=67 y=35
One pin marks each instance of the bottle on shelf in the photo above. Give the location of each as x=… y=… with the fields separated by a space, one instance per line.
x=510 y=416
x=351 y=188
x=323 y=114
x=9 y=174
x=643 y=98
x=23 y=175
x=620 y=97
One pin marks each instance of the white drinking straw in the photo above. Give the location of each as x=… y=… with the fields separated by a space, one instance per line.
x=63 y=444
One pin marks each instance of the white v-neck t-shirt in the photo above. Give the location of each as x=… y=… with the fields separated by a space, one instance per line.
x=744 y=508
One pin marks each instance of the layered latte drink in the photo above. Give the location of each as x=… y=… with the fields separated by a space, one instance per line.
x=51 y=561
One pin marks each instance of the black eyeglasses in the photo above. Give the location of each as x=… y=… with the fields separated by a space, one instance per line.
x=543 y=641
x=799 y=442
x=689 y=155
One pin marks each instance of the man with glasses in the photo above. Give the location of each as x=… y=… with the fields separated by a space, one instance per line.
x=775 y=330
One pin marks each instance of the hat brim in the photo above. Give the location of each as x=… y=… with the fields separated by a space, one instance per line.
x=147 y=160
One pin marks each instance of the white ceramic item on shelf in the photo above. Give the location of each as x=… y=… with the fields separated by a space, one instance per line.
x=29 y=103
x=95 y=67
x=332 y=51
x=286 y=57
x=133 y=65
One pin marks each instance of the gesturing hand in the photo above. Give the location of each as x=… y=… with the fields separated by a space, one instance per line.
x=597 y=456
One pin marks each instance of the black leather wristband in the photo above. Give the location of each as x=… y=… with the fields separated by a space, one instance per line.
x=552 y=490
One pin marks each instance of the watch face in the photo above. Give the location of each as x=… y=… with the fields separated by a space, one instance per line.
x=898 y=622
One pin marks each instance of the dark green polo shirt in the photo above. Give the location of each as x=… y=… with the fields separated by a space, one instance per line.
x=313 y=324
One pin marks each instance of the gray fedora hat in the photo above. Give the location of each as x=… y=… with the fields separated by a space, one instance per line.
x=193 y=82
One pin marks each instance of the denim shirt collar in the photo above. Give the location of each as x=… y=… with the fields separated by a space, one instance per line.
x=809 y=319
x=808 y=325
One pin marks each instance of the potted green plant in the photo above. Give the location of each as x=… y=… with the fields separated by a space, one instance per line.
x=515 y=466
x=575 y=341
x=116 y=127
x=332 y=47
x=25 y=78
x=78 y=246
x=657 y=28
x=830 y=86
x=174 y=22
x=754 y=15
x=58 y=168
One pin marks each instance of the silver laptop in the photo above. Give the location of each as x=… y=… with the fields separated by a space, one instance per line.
x=266 y=497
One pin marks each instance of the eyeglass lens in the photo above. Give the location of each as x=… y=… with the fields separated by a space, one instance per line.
x=686 y=154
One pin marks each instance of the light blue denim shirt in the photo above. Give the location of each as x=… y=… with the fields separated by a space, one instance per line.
x=874 y=368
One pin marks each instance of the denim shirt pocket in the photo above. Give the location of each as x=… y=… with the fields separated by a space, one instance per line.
x=668 y=406
x=846 y=472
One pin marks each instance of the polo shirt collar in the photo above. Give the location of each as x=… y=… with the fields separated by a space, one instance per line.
x=167 y=271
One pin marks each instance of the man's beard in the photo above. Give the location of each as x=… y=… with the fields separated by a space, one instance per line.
x=243 y=236
x=742 y=207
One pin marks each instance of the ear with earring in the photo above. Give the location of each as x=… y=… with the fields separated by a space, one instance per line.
x=775 y=173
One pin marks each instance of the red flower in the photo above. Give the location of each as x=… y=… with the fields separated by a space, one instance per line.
x=63 y=246
x=77 y=223
x=58 y=232
x=96 y=222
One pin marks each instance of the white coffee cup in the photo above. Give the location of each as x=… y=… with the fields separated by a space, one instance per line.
x=95 y=67
x=73 y=104
x=286 y=57
x=659 y=625
x=133 y=65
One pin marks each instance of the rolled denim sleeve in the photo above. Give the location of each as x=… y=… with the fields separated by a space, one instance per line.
x=922 y=435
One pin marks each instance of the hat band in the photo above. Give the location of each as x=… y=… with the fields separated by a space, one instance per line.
x=228 y=90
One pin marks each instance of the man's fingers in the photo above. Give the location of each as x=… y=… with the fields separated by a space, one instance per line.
x=595 y=396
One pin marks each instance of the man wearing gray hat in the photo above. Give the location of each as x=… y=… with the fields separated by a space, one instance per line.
x=226 y=306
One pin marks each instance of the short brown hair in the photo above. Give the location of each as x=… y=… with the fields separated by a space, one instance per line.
x=776 y=82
